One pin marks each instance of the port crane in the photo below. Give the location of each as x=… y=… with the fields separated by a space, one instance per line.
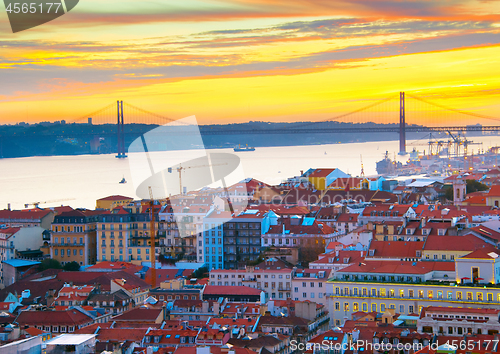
x=36 y=204
x=180 y=169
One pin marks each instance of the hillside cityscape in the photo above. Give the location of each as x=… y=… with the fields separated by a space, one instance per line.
x=321 y=263
x=250 y=177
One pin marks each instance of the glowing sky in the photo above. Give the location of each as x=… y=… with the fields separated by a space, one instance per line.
x=241 y=60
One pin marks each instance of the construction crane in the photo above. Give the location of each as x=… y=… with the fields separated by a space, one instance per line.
x=152 y=238
x=362 y=169
x=180 y=169
x=36 y=204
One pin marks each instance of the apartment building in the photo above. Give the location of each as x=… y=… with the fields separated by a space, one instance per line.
x=298 y=233
x=73 y=237
x=181 y=225
x=124 y=235
x=310 y=284
x=27 y=218
x=242 y=236
x=406 y=287
x=272 y=276
x=458 y=321
x=212 y=234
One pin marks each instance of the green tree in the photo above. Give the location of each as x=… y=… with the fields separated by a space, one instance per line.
x=471 y=187
x=49 y=263
x=72 y=266
x=475 y=186
x=199 y=273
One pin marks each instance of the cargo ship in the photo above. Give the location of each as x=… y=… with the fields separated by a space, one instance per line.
x=246 y=148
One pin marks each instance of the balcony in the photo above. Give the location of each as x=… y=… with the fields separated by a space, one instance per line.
x=282 y=288
x=249 y=279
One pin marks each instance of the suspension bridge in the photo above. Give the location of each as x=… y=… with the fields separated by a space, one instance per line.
x=399 y=114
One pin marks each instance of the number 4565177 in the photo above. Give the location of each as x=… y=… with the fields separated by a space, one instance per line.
x=32 y=7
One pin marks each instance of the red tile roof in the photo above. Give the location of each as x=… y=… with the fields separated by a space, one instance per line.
x=494 y=191
x=116 y=197
x=54 y=318
x=347 y=217
x=491 y=253
x=487 y=232
x=10 y=230
x=398 y=267
x=454 y=243
x=139 y=314
x=321 y=172
x=121 y=334
x=396 y=249
x=33 y=331
x=438 y=309
x=31 y=214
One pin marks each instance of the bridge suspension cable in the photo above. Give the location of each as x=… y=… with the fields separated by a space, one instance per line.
x=93 y=114
x=476 y=115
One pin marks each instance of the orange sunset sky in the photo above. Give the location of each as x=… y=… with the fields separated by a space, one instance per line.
x=241 y=60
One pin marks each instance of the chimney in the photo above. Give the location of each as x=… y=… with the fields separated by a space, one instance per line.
x=336 y=253
x=8 y=207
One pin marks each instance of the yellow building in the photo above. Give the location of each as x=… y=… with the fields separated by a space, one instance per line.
x=73 y=237
x=123 y=235
x=321 y=178
x=112 y=202
x=450 y=248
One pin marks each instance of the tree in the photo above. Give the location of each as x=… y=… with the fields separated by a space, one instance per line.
x=475 y=186
x=471 y=187
x=72 y=266
x=49 y=263
x=201 y=272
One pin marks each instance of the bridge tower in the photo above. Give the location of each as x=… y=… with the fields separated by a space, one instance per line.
x=121 y=132
x=402 y=124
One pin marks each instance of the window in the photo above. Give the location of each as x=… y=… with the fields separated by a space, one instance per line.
x=401 y=308
x=337 y=306
x=374 y=307
x=429 y=294
x=382 y=307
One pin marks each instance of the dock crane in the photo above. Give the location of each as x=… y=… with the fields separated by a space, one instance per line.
x=362 y=168
x=36 y=204
x=180 y=169
x=152 y=238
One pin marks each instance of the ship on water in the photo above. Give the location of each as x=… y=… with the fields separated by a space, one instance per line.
x=387 y=166
x=246 y=148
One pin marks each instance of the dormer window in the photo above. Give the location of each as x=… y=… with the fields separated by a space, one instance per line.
x=346 y=260
x=372 y=252
x=157 y=339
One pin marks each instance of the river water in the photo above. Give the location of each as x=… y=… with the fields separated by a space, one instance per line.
x=79 y=180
